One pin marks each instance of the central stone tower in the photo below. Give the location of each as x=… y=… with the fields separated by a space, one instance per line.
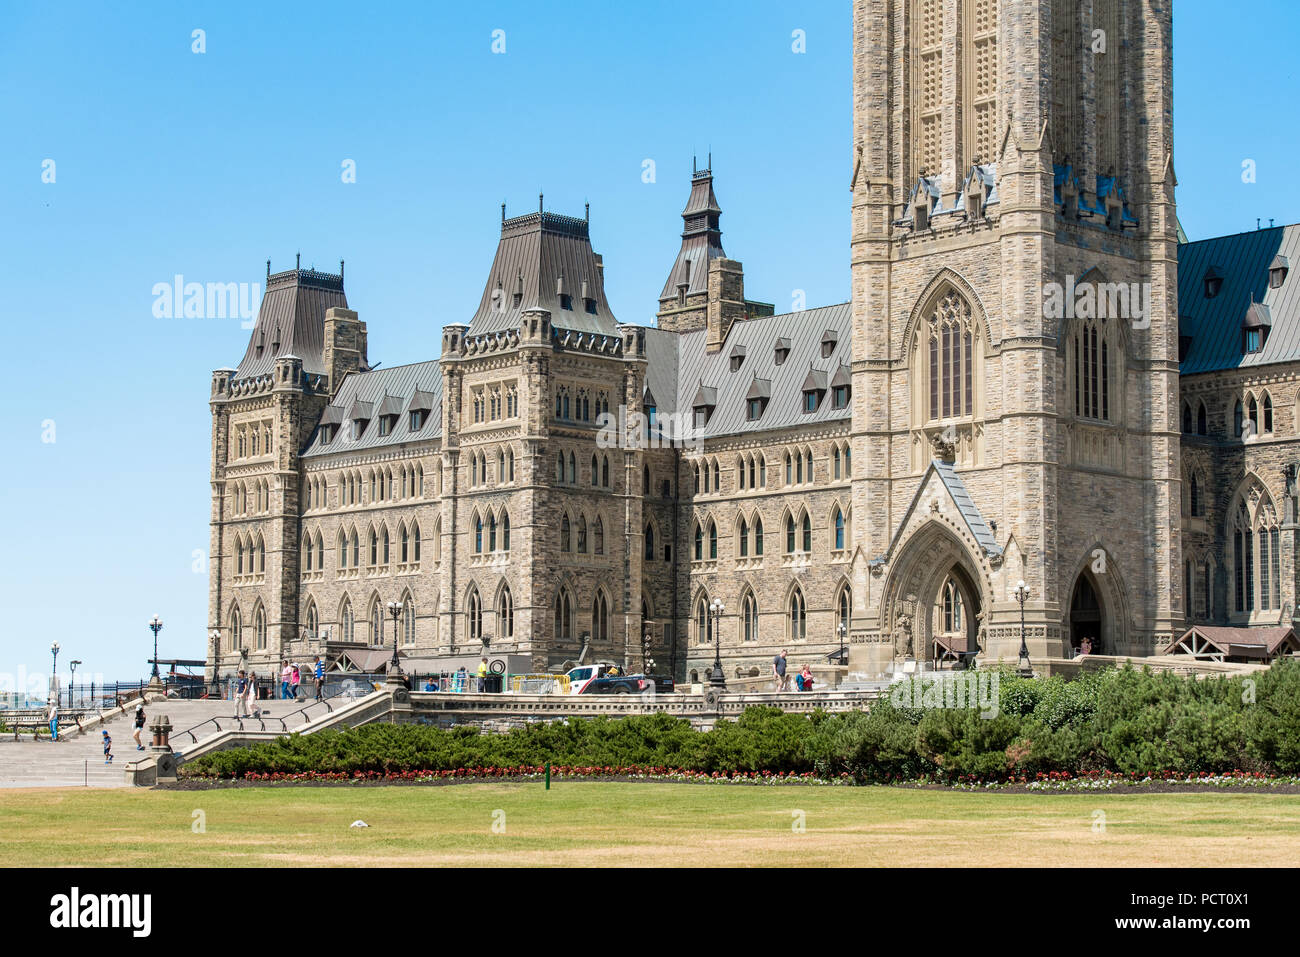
x=1015 y=328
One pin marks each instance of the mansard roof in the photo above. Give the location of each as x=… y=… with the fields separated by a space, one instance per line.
x=701 y=238
x=684 y=360
x=1244 y=300
x=291 y=320
x=366 y=395
x=541 y=257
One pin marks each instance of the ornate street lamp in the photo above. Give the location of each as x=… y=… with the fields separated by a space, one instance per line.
x=72 y=682
x=54 y=672
x=1021 y=593
x=717 y=680
x=155 y=625
x=840 y=628
x=395 y=610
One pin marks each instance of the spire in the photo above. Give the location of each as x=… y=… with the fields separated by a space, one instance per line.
x=701 y=236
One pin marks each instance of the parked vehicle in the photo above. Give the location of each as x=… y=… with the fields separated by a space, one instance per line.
x=604 y=679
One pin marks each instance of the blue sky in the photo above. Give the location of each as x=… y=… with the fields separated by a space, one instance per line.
x=168 y=161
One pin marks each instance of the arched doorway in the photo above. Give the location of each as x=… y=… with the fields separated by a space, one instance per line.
x=1086 y=618
x=933 y=604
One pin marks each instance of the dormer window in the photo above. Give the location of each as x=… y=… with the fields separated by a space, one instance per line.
x=359 y=416
x=813 y=389
x=566 y=302
x=829 y=339
x=1277 y=271
x=1213 y=282
x=1255 y=328
x=327 y=433
x=782 y=351
x=418 y=418
x=705 y=401
x=756 y=399
x=386 y=424
x=737 y=357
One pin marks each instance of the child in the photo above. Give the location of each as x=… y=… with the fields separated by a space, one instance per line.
x=108 y=748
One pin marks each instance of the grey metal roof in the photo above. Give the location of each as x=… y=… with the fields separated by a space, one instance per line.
x=534 y=252
x=970 y=514
x=395 y=388
x=701 y=238
x=661 y=349
x=966 y=506
x=291 y=321
x=1215 y=324
x=803 y=329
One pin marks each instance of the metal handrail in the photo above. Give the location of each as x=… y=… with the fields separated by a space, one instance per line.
x=239 y=719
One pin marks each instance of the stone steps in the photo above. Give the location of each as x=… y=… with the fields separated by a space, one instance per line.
x=77 y=760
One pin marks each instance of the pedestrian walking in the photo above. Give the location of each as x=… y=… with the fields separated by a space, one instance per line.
x=108 y=748
x=778 y=671
x=318 y=670
x=139 y=727
x=482 y=676
x=295 y=679
x=241 y=695
x=251 y=699
x=53 y=716
x=285 y=674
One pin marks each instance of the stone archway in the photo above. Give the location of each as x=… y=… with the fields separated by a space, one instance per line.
x=931 y=564
x=1097 y=608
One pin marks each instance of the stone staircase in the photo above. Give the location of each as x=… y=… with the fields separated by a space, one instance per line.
x=77 y=758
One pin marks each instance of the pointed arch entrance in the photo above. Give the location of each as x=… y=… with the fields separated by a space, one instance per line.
x=1086 y=618
x=934 y=601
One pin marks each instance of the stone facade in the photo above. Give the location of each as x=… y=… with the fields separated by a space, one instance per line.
x=881 y=473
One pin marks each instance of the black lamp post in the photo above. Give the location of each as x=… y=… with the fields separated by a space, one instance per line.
x=717 y=680
x=54 y=672
x=155 y=625
x=1022 y=593
x=72 y=682
x=395 y=610
x=840 y=629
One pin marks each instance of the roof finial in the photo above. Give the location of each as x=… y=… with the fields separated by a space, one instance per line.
x=298 y=261
x=695 y=168
x=340 y=270
x=503 y=212
x=539 y=201
x=710 y=159
x=268 y=269
x=587 y=215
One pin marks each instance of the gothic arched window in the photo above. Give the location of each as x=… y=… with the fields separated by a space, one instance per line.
x=749 y=617
x=798 y=615
x=950 y=344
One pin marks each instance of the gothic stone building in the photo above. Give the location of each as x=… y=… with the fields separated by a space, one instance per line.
x=999 y=401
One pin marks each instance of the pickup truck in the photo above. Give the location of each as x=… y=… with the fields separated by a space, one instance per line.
x=596 y=679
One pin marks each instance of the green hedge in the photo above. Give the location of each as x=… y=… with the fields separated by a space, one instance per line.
x=1117 y=720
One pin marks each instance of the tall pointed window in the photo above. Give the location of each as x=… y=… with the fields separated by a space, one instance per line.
x=950 y=351
x=798 y=615
x=749 y=617
x=474 y=610
x=600 y=622
x=505 y=614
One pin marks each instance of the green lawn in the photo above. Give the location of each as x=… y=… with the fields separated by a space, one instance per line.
x=581 y=823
